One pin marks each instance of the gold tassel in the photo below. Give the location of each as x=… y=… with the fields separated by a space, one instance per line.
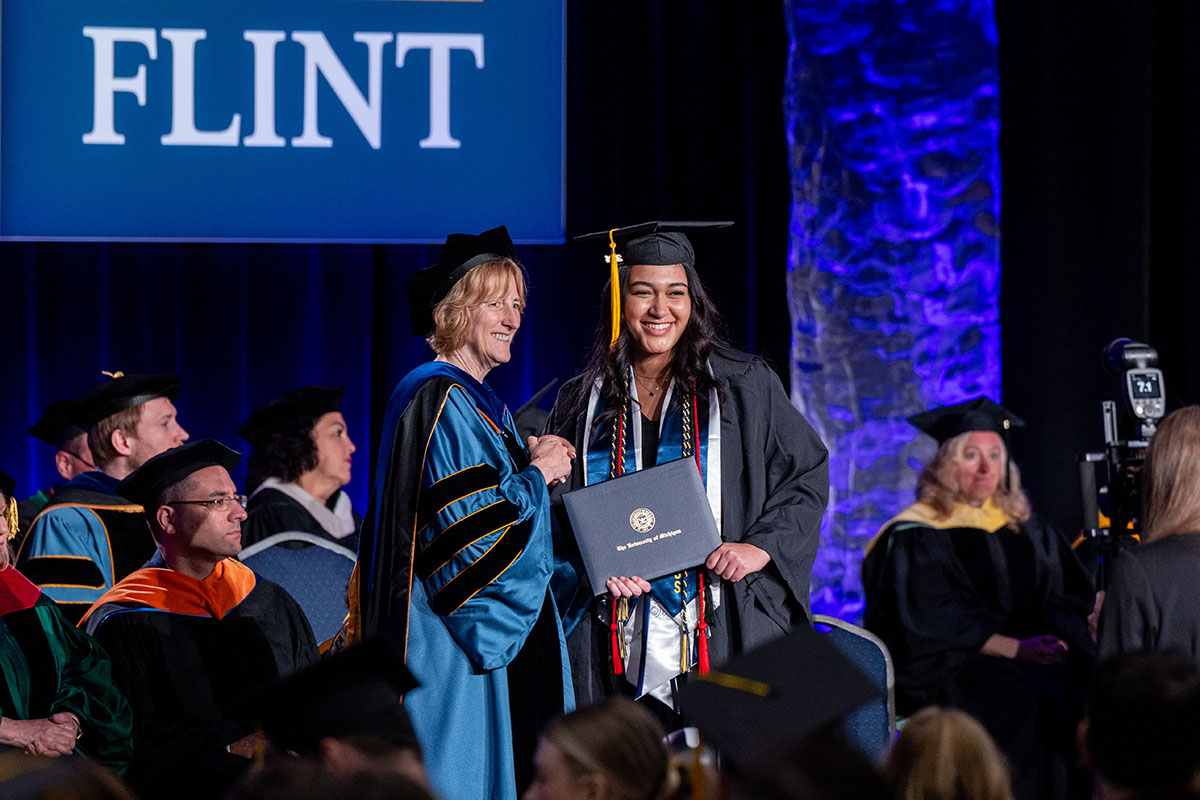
x=622 y=619
x=12 y=517
x=614 y=280
x=685 y=663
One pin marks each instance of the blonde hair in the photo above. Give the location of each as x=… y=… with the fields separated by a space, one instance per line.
x=944 y=754
x=937 y=485
x=100 y=434
x=621 y=741
x=452 y=316
x=1172 y=476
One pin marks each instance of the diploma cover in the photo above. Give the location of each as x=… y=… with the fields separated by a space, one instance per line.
x=648 y=523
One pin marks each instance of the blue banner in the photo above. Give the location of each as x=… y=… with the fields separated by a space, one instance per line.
x=301 y=120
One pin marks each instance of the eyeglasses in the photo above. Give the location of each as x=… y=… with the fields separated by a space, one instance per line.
x=217 y=504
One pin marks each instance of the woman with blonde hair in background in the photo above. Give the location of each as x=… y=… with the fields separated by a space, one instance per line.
x=1152 y=603
x=943 y=754
x=982 y=605
x=610 y=751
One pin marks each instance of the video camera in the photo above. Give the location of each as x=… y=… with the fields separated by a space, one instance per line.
x=1110 y=480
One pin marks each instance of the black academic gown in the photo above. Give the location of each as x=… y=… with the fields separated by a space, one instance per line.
x=270 y=511
x=936 y=590
x=1152 y=602
x=774 y=487
x=186 y=677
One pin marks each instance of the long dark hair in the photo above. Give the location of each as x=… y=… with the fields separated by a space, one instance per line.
x=704 y=333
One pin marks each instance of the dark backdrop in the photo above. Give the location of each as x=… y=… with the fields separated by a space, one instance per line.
x=674 y=110
x=1099 y=207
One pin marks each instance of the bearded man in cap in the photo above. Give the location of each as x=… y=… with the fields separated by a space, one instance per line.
x=88 y=537
x=195 y=631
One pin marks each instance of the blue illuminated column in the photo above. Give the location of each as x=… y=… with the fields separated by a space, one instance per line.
x=893 y=266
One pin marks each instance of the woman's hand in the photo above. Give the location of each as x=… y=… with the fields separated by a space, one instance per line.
x=735 y=560
x=627 y=587
x=43 y=737
x=552 y=455
x=1044 y=649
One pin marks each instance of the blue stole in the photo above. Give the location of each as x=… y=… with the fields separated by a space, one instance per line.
x=674 y=592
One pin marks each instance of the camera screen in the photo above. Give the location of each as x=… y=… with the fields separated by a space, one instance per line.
x=1145 y=385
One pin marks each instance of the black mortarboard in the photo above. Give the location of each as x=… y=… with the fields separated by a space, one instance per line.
x=980 y=414
x=8 y=484
x=296 y=410
x=358 y=691
x=121 y=392
x=462 y=251
x=753 y=707
x=649 y=243
x=169 y=467
x=56 y=426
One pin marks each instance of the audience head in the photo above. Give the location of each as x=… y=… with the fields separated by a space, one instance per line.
x=610 y=751
x=346 y=712
x=294 y=779
x=972 y=463
x=302 y=438
x=464 y=304
x=1171 y=475
x=945 y=754
x=129 y=420
x=25 y=777
x=191 y=503
x=56 y=428
x=1141 y=736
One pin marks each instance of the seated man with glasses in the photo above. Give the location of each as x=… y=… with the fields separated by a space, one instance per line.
x=194 y=631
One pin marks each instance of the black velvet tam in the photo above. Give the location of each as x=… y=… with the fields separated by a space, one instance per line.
x=171 y=466
x=462 y=251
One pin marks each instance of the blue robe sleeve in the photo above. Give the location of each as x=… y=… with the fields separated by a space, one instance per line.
x=67 y=555
x=483 y=549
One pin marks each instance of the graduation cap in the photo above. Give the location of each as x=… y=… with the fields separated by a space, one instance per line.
x=649 y=243
x=56 y=426
x=122 y=392
x=357 y=691
x=297 y=410
x=980 y=414
x=758 y=704
x=462 y=252
x=169 y=467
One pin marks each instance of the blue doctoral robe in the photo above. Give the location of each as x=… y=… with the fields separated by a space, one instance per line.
x=455 y=562
x=86 y=540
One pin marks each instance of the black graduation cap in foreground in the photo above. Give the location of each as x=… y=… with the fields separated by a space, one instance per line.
x=355 y=692
x=758 y=704
x=169 y=467
x=56 y=426
x=648 y=243
x=121 y=392
x=462 y=251
x=299 y=409
x=980 y=414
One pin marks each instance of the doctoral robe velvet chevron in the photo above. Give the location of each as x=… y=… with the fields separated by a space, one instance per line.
x=455 y=562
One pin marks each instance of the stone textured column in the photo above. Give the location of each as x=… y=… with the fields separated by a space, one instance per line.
x=893 y=276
